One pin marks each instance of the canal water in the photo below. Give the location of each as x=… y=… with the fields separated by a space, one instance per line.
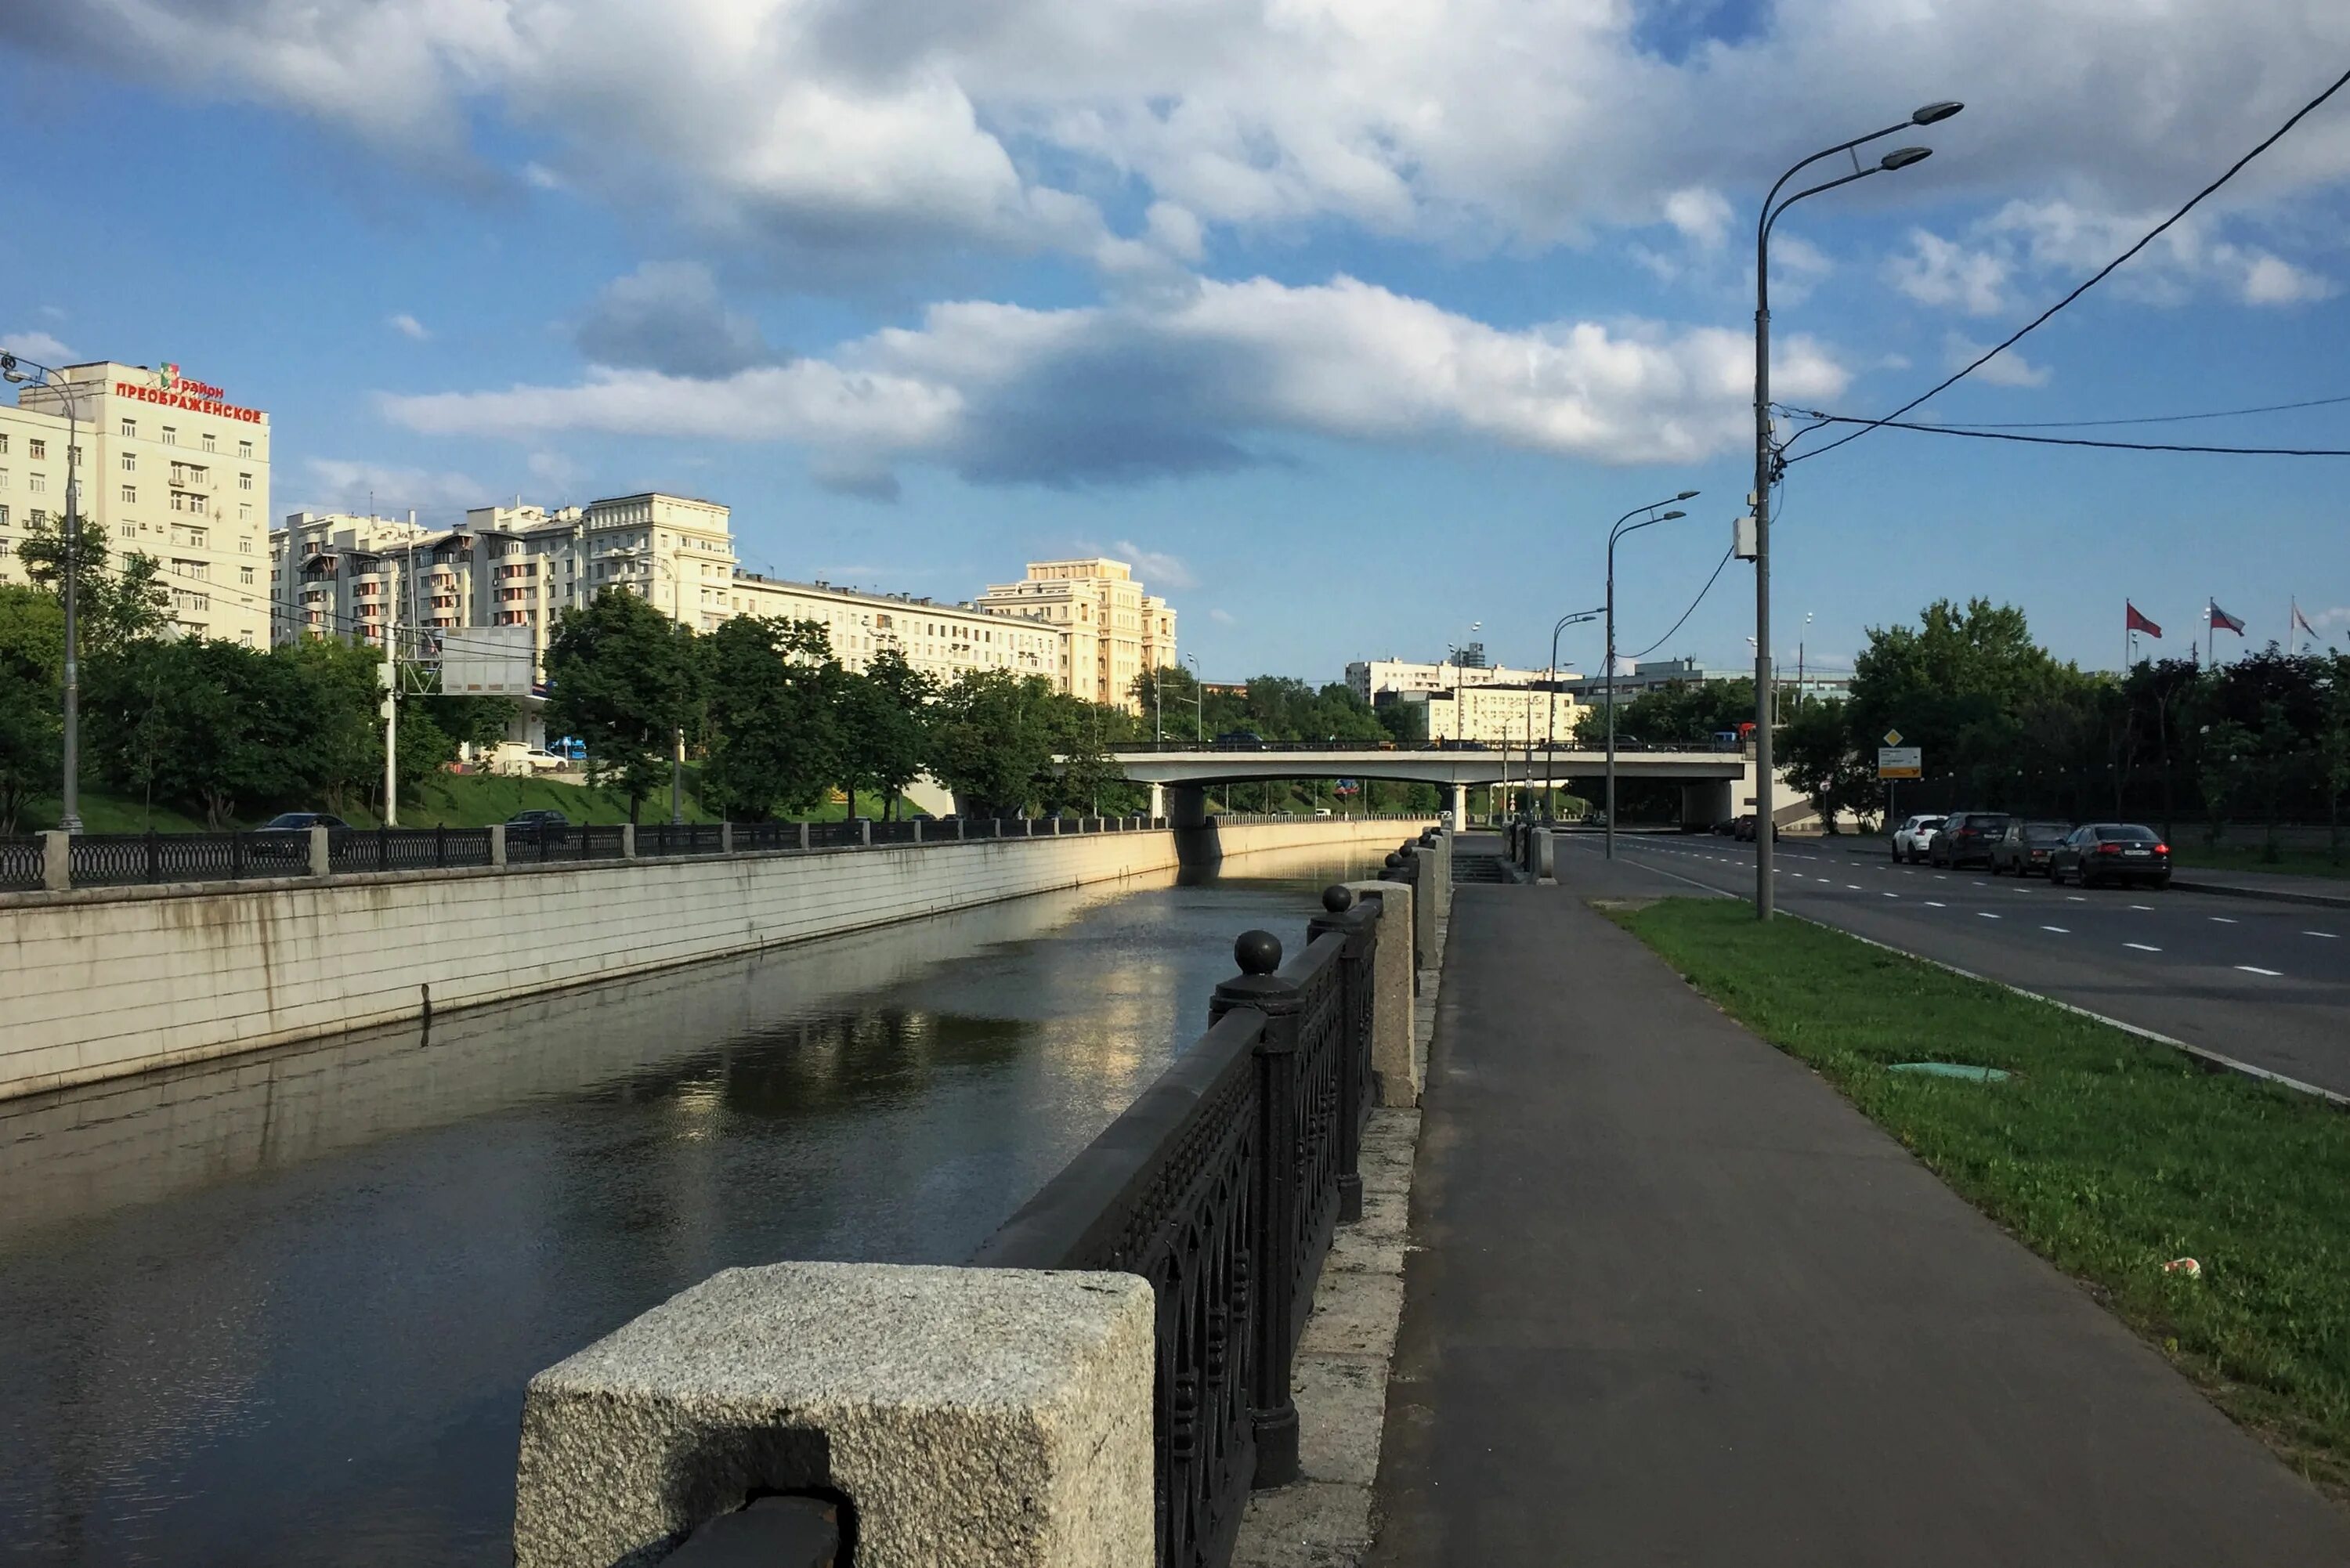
x=280 y=1309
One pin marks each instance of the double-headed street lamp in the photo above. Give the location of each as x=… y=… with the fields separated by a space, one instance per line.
x=1624 y=525
x=1766 y=455
x=19 y=370
x=1550 y=731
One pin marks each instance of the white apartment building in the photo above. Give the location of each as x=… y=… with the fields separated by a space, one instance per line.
x=1515 y=716
x=338 y=574
x=1114 y=630
x=1367 y=677
x=169 y=468
x=942 y=641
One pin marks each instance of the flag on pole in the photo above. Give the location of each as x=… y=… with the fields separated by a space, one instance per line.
x=2138 y=621
x=2301 y=621
x=2222 y=621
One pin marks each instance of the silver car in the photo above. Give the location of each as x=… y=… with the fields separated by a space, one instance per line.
x=1910 y=839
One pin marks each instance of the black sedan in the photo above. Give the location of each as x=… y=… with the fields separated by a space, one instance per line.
x=1966 y=836
x=2111 y=852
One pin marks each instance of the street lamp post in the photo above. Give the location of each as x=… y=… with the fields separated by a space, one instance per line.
x=16 y=369
x=1198 y=710
x=1766 y=455
x=1550 y=731
x=1624 y=525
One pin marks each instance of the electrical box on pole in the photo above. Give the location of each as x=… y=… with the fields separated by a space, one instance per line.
x=1742 y=542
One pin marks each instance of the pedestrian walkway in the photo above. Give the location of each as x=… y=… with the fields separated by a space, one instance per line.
x=1673 y=1300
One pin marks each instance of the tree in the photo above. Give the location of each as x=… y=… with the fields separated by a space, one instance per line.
x=1817 y=749
x=989 y=741
x=2334 y=747
x=208 y=723
x=622 y=679
x=770 y=689
x=1089 y=781
x=111 y=608
x=883 y=727
x=32 y=714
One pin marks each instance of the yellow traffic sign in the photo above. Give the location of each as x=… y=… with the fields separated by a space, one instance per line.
x=1892 y=737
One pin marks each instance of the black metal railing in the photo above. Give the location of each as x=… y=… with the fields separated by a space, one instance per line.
x=1222 y=1185
x=23 y=861
x=101 y=860
x=405 y=848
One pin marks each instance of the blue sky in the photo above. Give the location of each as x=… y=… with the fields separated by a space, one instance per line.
x=1350 y=323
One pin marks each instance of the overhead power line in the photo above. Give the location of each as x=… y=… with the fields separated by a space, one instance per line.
x=1689 y=612
x=1995 y=435
x=2130 y=420
x=2094 y=279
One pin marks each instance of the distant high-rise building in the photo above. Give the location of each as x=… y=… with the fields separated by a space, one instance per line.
x=1114 y=630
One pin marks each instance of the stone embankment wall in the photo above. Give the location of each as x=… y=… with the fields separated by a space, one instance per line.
x=104 y=982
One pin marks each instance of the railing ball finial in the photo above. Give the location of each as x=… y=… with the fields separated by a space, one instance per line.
x=1257 y=952
x=1337 y=897
x=1395 y=859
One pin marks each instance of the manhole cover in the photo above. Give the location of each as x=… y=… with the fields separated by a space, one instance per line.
x=1953 y=1070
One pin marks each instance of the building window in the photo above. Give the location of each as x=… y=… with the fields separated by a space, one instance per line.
x=245 y=511
x=245 y=449
x=129 y=530
x=171 y=436
x=37 y=484
x=244 y=576
x=208 y=442
x=245 y=636
x=36 y=449
x=129 y=462
x=245 y=546
x=245 y=482
x=131 y=495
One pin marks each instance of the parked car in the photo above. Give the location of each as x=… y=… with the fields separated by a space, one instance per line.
x=1745 y=831
x=1241 y=741
x=1965 y=837
x=543 y=817
x=300 y=822
x=287 y=835
x=2025 y=847
x=1725 y=827
x=2111 y=852
x=1910 y=839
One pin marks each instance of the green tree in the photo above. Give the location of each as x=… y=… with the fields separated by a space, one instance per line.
x=883 y=727
x=1088 y=780
x=2333 y=760
x=623 y=680
x=207 y=724
x=1822 y=759
x=112 y=608
x=990 y=741
x=32 y=714
x=771 y=689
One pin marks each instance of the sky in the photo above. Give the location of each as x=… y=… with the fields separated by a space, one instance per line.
x=1351 y=323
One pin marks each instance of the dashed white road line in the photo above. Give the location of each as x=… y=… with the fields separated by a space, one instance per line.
x=2058 y=929
x=1852 y=886
x=1985 y=915
x=1891 y=895
x=2148 y=907
x=2329 y=936
x=2221 y=919
x=2255 y=969
x=2074 y=899
x=2142 y=947
x=1936 y=904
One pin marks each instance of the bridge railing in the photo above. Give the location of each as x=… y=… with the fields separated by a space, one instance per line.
x=32 y=862
x=1515 y=748
x=1222 y=1187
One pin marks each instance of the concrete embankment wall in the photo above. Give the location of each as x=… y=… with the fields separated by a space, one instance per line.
x=105 y=983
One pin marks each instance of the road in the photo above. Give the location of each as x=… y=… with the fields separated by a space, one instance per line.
x=2266 y=983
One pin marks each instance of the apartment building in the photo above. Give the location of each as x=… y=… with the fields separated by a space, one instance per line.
x=1367 y=677
x=942 y=640
x=1516 y=716
x=169 y=467
x=1114 y=629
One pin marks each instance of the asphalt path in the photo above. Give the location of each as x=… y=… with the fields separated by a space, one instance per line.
x=2264 y=983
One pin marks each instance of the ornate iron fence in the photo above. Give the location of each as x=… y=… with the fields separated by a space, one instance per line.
x=680 y=839
x=114 y=859
x=833 y=834
x=1222 y=1185
x=894 y=832
x=23 y=862
x=405 y=848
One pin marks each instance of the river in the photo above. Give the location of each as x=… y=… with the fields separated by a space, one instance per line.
x=279 y=1309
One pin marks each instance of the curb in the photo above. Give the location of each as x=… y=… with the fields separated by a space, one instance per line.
x=2272 y=895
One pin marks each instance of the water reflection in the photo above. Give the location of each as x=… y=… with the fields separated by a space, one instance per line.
x=279 y=1309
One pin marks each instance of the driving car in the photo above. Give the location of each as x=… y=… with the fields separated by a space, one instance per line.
x=1910 y=839
x=1965 y=837
x=2112 y=852
x=539 y=817
x=1241 y=741
x=2025 y=847
x=289 y=833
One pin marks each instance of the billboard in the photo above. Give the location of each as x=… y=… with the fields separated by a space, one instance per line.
x=485 y=660
x=1900 y=763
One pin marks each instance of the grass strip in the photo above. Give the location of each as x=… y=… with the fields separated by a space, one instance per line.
x=2106 y=1155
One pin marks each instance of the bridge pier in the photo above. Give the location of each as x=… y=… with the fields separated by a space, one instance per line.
x=1198 y=849
x=1157 y=801
x=1708 y=801
x=1460 y=808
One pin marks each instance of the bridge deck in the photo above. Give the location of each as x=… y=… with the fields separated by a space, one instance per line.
x=1676 y=1303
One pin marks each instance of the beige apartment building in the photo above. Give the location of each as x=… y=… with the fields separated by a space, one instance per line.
x=942 y=641
x=1114 y=630
x=1514 y=716
x=169 y=467
x=1367 y=677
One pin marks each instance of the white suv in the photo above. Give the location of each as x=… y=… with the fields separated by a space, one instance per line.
x=1910 y=839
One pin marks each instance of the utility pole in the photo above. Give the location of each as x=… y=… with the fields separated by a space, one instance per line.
x=69 y=807
x=391 y=715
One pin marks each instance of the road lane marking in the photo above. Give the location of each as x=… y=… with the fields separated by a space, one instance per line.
x=2058 y=929
x=2074 y=899
x=1936 y=904
x=1852 y=886
x=2255 y=969
x=1985 y=915
x=2221 y=919
x=2148 y=907
x=2142 y=947
x=1891 y=895
x=2329 y=936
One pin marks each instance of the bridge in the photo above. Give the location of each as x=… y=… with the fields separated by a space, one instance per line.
x=1715 y=784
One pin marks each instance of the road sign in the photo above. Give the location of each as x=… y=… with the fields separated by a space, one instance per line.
x=1900 y=763
x=1892 y=737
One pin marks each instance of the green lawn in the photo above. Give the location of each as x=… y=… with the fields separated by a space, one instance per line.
x=2238 y=856
x=2104 y=1155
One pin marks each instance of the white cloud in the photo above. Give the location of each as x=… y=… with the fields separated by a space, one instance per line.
x=1176 y=381
x=38 y=347
x=919 y=128
x=1221 y=617
x=2338 y=615
x=1157 y=568
x=340 y=485
x=539 y=177
x=1703 y=215
x=668 y=317
x=2271 y=280
x=407 y=327
x=2009 y=369
x=1940 y=272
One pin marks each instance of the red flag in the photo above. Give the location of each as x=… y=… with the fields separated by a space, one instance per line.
x=2139 y=622
x=2221 y=620
x=2301 y=621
